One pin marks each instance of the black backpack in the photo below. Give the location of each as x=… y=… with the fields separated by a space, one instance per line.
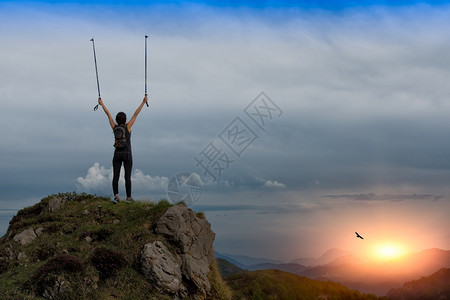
x=120 y=137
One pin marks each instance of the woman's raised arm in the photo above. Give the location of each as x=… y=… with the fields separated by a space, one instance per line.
x=136 y=113
x=110 y=119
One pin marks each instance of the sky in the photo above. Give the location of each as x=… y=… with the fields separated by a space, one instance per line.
x=301 y=123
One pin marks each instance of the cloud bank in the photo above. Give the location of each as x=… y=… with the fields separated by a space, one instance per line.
x=98 y=180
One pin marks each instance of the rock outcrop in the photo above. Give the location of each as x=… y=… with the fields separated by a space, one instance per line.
x=192 y=238
x=181 y=226
x=162 y=268
x=55 y=204
x=25 y=237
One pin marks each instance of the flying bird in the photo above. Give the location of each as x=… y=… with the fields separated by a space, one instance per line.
x=358 y=236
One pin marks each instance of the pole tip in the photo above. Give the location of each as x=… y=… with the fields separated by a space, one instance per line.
x=146 y=36
x=92 y=39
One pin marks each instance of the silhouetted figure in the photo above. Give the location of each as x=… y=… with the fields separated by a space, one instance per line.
x=358 y=236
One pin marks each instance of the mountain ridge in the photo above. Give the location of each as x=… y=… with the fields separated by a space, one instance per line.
x=276 y=284
x=326 y=257
x=368 y=277
x=434 y=286
x=245 y=260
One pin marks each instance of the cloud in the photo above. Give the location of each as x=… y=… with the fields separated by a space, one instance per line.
x=98 y=179
x=384 y=197
x=274 y=184
x=97 y=176
x=157 y=183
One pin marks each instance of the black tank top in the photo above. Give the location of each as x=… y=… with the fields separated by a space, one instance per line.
x=127 y=149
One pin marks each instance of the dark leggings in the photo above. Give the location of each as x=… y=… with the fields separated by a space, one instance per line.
x=127 y=160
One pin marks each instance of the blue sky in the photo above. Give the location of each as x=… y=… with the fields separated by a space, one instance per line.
x=362 y=138
x=308 y=4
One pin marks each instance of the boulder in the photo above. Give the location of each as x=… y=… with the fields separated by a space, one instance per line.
x=25 y=237
x=162 y=268
x=193 y=239
x=192 y=235
x=55 y=204
x=196 y=271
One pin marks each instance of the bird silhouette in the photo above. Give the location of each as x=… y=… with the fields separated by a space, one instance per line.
x=358 y=236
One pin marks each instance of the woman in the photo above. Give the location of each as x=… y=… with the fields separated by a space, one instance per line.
x=122 y=154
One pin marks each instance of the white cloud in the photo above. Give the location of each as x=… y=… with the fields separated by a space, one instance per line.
x=274 y=184
x=156 y=183
x=98 y=179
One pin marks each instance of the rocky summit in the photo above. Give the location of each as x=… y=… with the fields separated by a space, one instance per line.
x=80 y=246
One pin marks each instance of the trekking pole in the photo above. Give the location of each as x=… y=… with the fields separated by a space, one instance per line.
x=96 y=72
x=146 y=37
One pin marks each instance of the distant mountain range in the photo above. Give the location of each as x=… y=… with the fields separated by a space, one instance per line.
x=327 y=257
x=244 y=261
x=249 y=262
x=342 y=267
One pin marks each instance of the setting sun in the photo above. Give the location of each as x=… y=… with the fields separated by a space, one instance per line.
x=388 y=252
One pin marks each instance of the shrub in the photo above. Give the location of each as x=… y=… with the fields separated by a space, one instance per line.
x=102 y=234
x=44 y=251
x=21 y=219
x=47 y=274
x=53 y=228
x=107 y=261
x=30 y=211
x=98 y=235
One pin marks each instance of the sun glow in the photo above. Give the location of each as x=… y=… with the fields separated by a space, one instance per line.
x=388 y=251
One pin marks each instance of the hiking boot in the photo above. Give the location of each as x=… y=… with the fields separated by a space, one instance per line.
x=115 y=200
x=129 y=200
